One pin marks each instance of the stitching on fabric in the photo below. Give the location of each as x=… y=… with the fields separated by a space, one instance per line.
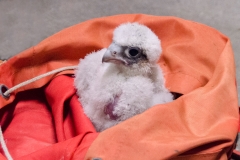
x=193 y=67
x=177 y=72
x=187 y=65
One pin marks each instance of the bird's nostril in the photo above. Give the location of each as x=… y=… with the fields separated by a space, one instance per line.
x=114 y=53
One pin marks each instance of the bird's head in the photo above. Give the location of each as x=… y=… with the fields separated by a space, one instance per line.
x=134 y=46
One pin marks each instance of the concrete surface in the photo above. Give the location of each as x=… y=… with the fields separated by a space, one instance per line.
x=25 y=23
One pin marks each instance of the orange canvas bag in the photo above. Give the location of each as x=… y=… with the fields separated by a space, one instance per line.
x=44 y=120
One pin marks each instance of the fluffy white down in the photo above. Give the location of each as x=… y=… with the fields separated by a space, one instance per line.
x=99 y=83
x=131 y=90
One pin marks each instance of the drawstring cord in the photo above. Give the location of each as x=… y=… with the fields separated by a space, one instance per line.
x=10 y=90
x=4 y=146
x=6 y=94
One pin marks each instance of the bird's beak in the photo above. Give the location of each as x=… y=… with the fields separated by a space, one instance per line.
x=114 y=54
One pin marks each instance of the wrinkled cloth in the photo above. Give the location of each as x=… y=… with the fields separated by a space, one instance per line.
x=44 y=119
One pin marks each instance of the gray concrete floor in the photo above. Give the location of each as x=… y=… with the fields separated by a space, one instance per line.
x=25 y=23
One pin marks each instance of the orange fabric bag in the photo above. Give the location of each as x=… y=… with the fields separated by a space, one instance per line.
x=44 y=120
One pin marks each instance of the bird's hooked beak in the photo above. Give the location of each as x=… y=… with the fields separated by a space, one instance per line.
x=114 y=54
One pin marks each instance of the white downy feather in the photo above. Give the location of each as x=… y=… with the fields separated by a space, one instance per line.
x=130 y=90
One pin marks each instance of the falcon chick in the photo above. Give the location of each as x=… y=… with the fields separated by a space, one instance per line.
x=123 y=80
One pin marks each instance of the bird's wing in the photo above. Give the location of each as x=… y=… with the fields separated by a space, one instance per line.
x=161 y=93
x=87 y=70
x=158 y=79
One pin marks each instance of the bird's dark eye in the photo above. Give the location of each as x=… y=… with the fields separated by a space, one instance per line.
x=133 y=52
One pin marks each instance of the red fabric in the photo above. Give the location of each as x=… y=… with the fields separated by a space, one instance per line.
x=44 y=120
